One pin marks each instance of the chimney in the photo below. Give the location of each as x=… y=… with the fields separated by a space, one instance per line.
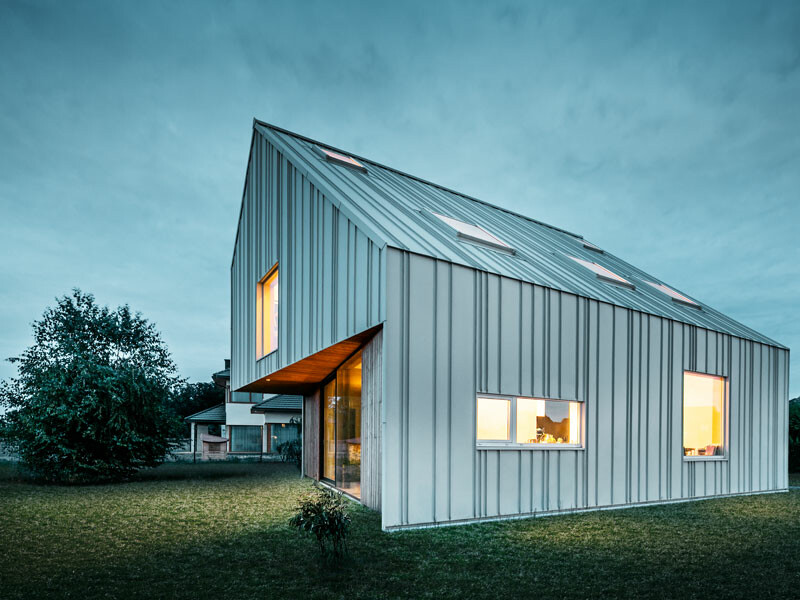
x=227 y=363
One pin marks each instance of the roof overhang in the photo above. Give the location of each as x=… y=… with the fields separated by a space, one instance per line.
x=306 y=375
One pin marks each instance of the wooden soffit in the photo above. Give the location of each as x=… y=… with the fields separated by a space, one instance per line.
x=304 y=376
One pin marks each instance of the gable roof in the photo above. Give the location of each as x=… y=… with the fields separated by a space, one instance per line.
x=215 y=414
x=279 y=403
x=399 y=210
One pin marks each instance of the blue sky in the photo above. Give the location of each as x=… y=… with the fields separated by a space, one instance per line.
x=668 y=133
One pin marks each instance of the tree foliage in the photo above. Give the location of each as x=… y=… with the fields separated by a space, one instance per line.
x=191 y=398
x=89 y=402
x=794 y=435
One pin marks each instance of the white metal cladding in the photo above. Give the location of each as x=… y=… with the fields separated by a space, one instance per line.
x=330 y=272
x=452 y=332
x=395 y=209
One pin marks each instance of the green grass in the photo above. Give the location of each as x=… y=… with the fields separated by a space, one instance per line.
x=219 y=531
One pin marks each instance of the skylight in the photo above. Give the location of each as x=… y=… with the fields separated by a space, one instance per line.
x=591 y=246
x=680 y=298
x=341 y=159
x=473 y=233
x=603 y=273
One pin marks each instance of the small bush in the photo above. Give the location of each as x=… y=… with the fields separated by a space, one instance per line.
x=291 y=451
x=323 y=513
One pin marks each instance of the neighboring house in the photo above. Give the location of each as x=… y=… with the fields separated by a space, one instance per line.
x=252 y=423
x=460 y=362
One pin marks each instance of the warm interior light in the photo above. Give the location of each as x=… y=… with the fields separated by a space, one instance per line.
x=542 y=421
x=703 y=401
x=494 y=419
x=267 y=315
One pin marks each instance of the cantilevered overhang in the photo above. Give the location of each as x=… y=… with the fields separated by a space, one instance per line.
x=305 y=376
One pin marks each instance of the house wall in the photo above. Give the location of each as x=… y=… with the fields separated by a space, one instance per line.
x=371 y=406
x=452 y=332
x=331 y=275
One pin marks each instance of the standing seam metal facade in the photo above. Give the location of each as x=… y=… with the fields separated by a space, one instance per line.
x=452 y=332
x=330 y=274
x=357 y=250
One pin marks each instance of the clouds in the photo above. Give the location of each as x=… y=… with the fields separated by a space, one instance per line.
x=668 y=133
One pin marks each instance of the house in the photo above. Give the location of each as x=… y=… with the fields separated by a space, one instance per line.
x=251 y=423
x=462 y=362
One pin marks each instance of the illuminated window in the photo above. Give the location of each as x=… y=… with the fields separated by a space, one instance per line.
x=473 y=233
x=603 y=273
x=340 y=159
x=494 y=419
x=673 y=294
x=529 y=421
x=548 y=422
x=267 y=314
x=703 y=420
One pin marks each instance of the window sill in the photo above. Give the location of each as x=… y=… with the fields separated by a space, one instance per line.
x=704 y=458
x=260 y=358
x=500 y=446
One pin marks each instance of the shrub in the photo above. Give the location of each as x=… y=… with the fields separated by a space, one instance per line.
x=89 y=402
x=292 y=451
x=794 y=436
x=323 y=514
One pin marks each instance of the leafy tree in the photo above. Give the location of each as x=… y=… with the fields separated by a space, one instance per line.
x=89 y=401
x=191 y=398
x=794 y=435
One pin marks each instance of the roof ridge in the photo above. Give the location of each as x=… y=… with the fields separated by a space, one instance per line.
x=414 y=177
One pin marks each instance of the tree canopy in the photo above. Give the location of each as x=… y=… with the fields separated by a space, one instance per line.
x=90 y=400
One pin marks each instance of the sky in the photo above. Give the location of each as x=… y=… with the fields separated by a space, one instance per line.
x=667 y=133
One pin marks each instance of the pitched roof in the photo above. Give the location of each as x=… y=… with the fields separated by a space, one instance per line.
x=279 y=403
x=399 y=210
x=215 y=414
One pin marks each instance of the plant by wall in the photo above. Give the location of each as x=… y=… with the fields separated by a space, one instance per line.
x=292 y=451
x=794 y=435
x=89 y=402
x=323 y=514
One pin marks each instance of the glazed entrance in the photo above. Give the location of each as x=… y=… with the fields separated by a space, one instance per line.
x=341 y=428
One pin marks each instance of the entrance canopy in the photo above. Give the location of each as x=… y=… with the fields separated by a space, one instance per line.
x=306 y=375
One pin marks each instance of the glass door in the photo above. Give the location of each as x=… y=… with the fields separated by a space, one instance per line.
x=341 y=428
x=328 y=431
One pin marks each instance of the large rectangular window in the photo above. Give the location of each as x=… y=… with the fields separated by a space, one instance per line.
x=245 y=438
x=529 y=421
x=267 y=314
x=703 y=415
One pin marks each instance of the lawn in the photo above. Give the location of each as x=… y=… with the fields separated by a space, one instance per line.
x=219 y=531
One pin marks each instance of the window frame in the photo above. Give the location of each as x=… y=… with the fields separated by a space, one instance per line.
x=674 y=295
x=340 y=159
x=617 y=279
x=498 y=245
x=260 y=329
x=512 y=444
x=723 y=426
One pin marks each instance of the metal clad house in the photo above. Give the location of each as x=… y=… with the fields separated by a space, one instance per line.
x=459 y=361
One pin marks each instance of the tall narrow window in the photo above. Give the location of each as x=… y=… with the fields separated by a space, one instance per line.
x=267 y=314
x=703 y=415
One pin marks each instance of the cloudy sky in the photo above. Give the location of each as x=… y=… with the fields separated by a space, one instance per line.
x=667 y=133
